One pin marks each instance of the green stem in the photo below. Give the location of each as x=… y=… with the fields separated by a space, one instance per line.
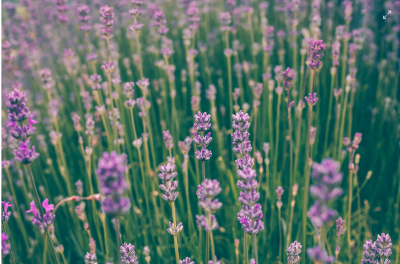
x=175 y=237
x=342 y=123
x=328 y=121
x=255 y=248
x=349 y=215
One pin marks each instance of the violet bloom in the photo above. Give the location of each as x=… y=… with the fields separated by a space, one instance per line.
x=316 y=52
x=84 y=18
x=90 y=258
x=250 y=216
x=111 y=172
x=215 y=261
x=312 y=99
x=5 y=247
x=169 y=144
x=288 y=77
x=167 y=174
x=340 y=226
x=326 y=176
x=128 y=254
x=25 y=155
x=6 y=214
x=202 y=124
x=293 y=253
x=206 y=193
x=107 y=21
x=186 y=261
x=48 y=217
x=319 y=256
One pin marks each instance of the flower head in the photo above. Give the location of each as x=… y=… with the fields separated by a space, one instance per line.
x=90 y=258
x=6 y=214
x=293 y=252
x=318 y=256
x=316 y=52
x=288 y=77
x=202 y=121
x=48 y=217
x=340 y=226
x=128 y=254
x=5 y=247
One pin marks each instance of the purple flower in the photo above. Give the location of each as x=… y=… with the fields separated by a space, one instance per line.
x=48 y=217
x=84 y=17
x=90 y=258
x=383 y=246
x=203 y=155
x=5 y=247
x=167 y=174
x=6 y=214
x=25 y=155
x=206 y=192
x=288 y=77
x=186 y=261
x=168 y=140
x=107 y=21
x=128 y=254
x=320 y=215
x=175 y=230
x=111 y=172
x=279 y=192
x=185 y=145
x=318 y=256
x=340 y=226
x=202 y=121
x=311 y=99
x=215 y=261
x=202 y=141
x=293 y=252
x=316 y=52
x=252 y=226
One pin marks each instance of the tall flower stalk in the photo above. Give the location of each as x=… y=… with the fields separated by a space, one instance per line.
x=250 y=216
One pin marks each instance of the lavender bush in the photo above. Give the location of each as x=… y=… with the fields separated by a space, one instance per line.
x=277 y=118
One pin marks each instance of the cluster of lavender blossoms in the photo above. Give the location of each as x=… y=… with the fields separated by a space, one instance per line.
x=250 y=216
x=5 y=247
x=18 y=113
x=111 y=172
x=42 y=221
x=379 y=251
x=202 y=124
x=206 y=192
x=293 y=253
x=167 y=175
x=6 y=214
x=327 y=177
x=128 y=254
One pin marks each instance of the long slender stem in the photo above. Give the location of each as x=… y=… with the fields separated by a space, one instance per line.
x=175 y=237
x=246 y=259
x=328 y=121
x=278 y=110
x=211 y=239
x=280 y=234
x=349 y=214
x=342 y=122
x=118 y=234
x=255 y=248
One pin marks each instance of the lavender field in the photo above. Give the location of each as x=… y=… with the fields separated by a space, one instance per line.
x=200 y=131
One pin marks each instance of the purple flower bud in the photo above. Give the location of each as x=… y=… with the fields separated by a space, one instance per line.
x=202 y=141
x=107 y=17
x=203 y=155
x=202 y=121
x=279 y=192
x=186 y=261
x=5 y=247
x=48 y=217
x=311 y=99
x=293 y=253
x=317 y=255
x=90 y=258
x=316 y=52
x=252 y=226
x=6 y=214
x=185 y=145
x=168 y=140
x=25 y=155
x=383 y=246
x=340 y=226
x=288 y=77
x=175 y=230
x=128 y=254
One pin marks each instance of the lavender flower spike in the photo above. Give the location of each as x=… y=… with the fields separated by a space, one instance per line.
x=5 y=247
x=186 y=261
x=6 y=214
x=128 y=254
x=202 y=121
x=293 y=253
x=319 y=256
x=48 y=217
x=111 y=172
x=90 y=258
x=167 y=174
x=312 y=99
x=316 y=52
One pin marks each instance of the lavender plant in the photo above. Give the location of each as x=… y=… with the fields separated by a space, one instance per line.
x=100 y=86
